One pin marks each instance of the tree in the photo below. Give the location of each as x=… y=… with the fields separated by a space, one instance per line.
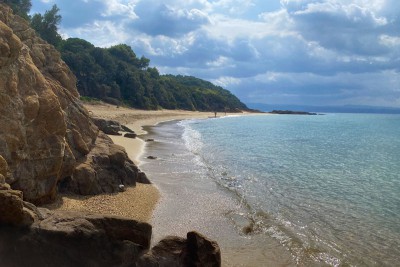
x=20 y=7
x=144 y=62
x=125 y=53
x=47 y=25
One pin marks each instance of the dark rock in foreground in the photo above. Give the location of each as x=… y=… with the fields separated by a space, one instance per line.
x=31 y=236
x=173 y=251
x=75 y=239
x=69 y=239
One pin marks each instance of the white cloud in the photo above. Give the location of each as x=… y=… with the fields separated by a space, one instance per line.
x=115 y=7
x=226 y=81
x=298 y=52
x=100 y=33
x=390 y=41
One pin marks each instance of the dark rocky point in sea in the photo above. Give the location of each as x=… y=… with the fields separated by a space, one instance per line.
x=290 y=112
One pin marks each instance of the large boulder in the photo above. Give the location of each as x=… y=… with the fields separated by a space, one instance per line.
x=74 y=239
x=111 y=127
x=103 y=170
x=69 y=239
x=45 y=132
x=12 y=210
x=196 y=250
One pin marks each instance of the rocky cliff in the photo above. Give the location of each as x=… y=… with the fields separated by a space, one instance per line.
x=48 y=142
x=46 y=136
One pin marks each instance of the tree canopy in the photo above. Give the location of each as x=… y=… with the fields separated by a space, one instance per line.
x=47 y=25
x=117 y=73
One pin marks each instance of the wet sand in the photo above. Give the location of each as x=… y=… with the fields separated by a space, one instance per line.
x=136 y=202
x=174 y=206
x=191 y=200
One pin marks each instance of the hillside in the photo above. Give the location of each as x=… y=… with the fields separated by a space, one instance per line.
x=116 y=74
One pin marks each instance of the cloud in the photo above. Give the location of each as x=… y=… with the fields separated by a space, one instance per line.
x=161 y=19
x=287 y=51
x=347 y=28
x=120 y=9
x=100 y=32
x=313 y=89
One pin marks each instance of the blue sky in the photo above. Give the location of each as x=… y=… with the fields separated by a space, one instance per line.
x=293 y=52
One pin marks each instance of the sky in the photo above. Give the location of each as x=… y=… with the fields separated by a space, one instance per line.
x=288 y=52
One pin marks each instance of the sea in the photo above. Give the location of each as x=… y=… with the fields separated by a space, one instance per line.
x=297 y=190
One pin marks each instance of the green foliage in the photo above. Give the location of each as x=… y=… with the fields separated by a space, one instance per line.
x=117 y=75
x=89 y=99
x=20 y=7
x=47 y=25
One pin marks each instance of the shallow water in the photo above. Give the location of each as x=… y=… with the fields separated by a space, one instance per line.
x=192 y=200
x=324 y=190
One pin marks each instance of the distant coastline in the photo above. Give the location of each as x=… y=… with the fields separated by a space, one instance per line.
x=291 y=112
x=327 y=109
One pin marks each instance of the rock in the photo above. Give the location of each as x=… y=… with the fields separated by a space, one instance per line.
x=75 y=239
x=152 y=157
x=168 y=252
x=12 y=210
x=142 y=178
x=172 y=251
x=5 y=186
x=126 y=129
x=108 y=126
x=202 y=251
x=3 y=167
x=46 y=135
x=112 y=127
x=291 y=112
x=121 y=188
x=102 y=171
x=150 y=140
x=39 y=103
x=130 y=135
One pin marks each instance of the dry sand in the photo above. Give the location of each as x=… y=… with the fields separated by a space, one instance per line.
x=135 y=203
x=138 y=202
x=136 y=118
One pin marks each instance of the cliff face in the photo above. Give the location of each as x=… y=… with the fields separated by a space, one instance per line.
x=45 y=133
x=48 y=141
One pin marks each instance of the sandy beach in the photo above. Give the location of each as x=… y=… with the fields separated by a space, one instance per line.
x=139 y=202
x=157 y=204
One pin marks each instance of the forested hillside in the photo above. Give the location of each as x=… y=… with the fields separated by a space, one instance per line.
x=117 y=74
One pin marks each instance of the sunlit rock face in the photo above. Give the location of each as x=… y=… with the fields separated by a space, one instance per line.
x=45 y=133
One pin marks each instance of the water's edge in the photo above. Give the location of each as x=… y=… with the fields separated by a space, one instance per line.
x=191 y=200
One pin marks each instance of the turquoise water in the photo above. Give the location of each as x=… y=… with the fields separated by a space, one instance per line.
x=326 y=187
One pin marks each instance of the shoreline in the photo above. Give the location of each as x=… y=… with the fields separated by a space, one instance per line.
x=192 y=200
x=137 y=202
x=152 y=203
